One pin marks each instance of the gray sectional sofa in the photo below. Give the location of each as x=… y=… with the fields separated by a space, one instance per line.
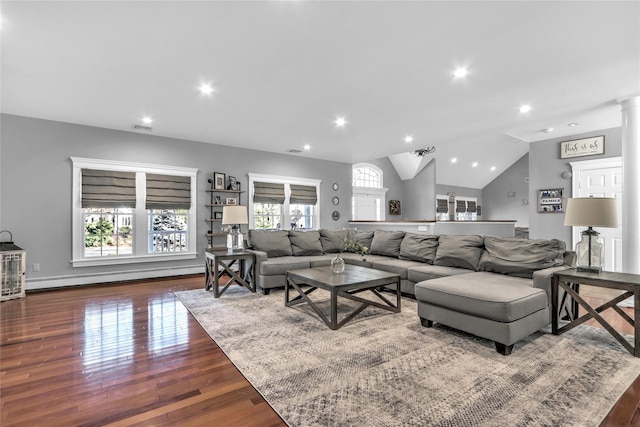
x=494 y=287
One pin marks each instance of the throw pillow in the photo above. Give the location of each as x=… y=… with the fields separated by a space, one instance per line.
x=419 y=247
x=520 y=257
x=274 y=243
x=459 y=251
x=386 y=243
x=331 y=240
x=305 y=242
x=363 y=237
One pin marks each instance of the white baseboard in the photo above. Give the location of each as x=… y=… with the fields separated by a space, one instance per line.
x=111 y=276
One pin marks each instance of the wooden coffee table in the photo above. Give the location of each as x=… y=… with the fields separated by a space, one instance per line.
x=352 y=281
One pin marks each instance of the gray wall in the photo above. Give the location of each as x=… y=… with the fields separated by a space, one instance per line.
x=496 y=201
x=36 y=183
x=545 y=171
x=419 y=195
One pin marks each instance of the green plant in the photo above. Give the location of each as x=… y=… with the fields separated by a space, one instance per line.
x=98 y=233
x=352 y=245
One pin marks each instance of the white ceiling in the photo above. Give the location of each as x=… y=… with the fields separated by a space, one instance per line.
x=283 y=70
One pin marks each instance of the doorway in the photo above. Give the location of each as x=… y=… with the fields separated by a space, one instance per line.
x=601 y=178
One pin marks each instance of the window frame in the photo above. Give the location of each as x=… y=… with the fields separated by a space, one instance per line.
x=140 y=216
x=379 y=194
x=286 y=210
x=474 y=215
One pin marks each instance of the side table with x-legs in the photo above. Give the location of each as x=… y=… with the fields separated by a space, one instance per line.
x=219 y=262
x=569 y=281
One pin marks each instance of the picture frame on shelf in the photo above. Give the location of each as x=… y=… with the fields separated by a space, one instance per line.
x=551 y=200
x=218 y=200
x=231 y=201
x=233 y=184
x=217 y=215
x=219 y=180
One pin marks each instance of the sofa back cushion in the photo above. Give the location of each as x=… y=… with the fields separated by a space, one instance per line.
x=331 y=240
x=459 y=251
x=419 y=247
x=274 y=243
x=386 y=243
x=364 y=237
x=305 y=242
x=520 y=257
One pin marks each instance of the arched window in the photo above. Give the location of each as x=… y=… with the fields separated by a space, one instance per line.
x=369 y=197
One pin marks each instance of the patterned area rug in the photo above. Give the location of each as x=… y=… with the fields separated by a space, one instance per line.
x=385 y=369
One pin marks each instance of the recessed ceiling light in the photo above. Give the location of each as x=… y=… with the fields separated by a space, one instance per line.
x=573 y=124
x=408 y=139
x=340 y=122
x=307 y=147
x=460 y=72
x=525 y=108
x=206 y=89
x=147 y=120
x=454 y=160
x=548 y=130
x=493 y=168
x=474 y=164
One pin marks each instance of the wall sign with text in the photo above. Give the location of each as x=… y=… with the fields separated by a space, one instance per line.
x=582 y=147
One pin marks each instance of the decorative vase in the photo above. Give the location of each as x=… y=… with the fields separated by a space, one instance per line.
x=337 y=264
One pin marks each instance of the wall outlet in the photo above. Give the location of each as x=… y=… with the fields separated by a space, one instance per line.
x=422 y=228
x=36 y=267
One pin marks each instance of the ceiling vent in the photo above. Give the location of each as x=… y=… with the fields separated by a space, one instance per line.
x=140 y=127
x=293 y=150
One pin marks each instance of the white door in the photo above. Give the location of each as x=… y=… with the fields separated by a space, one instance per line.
x=366 y=207
x=601 y=178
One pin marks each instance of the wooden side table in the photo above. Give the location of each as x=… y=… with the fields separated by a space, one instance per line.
x=215 y=267
x=570 y=280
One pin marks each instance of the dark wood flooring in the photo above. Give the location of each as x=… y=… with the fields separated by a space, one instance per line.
x=131 y=354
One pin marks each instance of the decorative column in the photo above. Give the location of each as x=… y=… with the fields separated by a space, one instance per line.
x=631 y=184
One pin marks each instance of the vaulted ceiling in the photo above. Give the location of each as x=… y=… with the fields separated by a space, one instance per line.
x=283 y=71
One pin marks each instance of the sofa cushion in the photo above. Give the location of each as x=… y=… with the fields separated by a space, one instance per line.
x=397 y=266
x=274 y=243
x=386 y=243
x=427 y=272
x=280 y=265
x=419 y=247
x=331 y=240
x=487 y=295
x=362 y=236
x=459 y=251
x=305 y=242
x=520 y=257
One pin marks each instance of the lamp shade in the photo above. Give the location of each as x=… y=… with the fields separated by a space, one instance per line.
x=232 y=215
x=592 y=212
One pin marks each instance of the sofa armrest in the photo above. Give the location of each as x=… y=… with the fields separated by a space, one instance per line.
x=260 y=256
x=542 y=279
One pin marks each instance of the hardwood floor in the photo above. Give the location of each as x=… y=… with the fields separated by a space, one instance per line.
x=131 y=354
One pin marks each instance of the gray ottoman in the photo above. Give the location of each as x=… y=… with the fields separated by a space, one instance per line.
x=504 y=309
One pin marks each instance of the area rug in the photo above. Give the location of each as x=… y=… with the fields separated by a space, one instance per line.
x=385 y=369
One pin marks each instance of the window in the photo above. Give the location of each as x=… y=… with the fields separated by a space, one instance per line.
x=369 y=197
x=128 y=212
x=283 y=203
x=465 y=208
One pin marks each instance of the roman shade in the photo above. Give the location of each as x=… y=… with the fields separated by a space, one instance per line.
x=471 y=206
x=168 y=191
x=461 y=206
x=108 y=189
x=303 y=194
x=268 y=192
x=442 y=206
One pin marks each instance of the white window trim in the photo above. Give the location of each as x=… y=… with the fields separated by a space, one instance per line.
x=139 y=253
x=370 y=166
x=280 y=179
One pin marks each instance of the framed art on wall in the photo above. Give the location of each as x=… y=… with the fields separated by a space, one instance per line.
x=591 y=146
x=394 y=207
x=551 y=200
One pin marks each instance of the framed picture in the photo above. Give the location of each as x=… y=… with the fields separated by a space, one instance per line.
x=217 y=215
x=233 y=184
x=582 y=147
x=230 y=201
x=218 y=200
x=394 y=207
x=218 y=181
x=551 y=200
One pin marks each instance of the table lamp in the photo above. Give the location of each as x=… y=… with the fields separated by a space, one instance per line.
x=591 y=212
x=234 y=216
